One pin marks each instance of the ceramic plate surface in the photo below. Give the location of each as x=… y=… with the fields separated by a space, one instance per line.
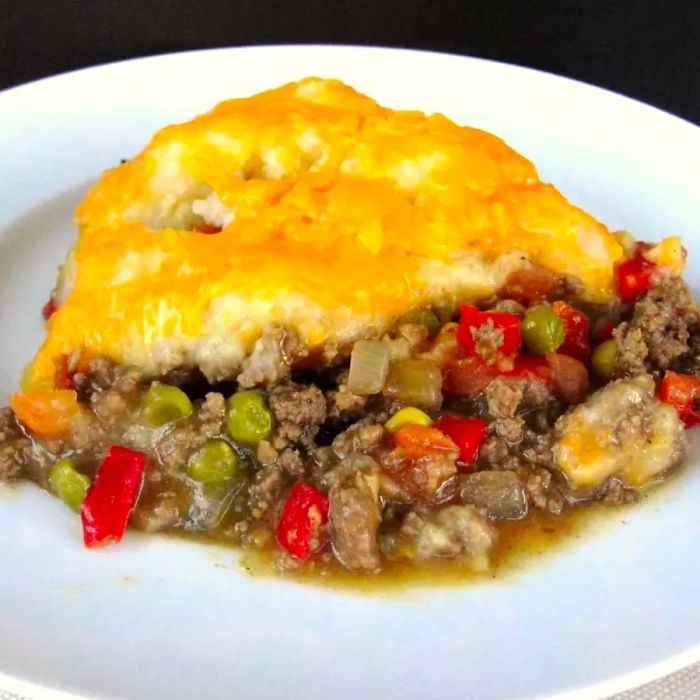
x=159 y=618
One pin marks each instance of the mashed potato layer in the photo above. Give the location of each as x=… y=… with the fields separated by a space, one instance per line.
x=336 y=215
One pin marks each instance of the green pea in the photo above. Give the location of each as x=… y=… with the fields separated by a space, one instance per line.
x=604 y=358
x=423 y=317
x=213 y=463
x=68 y=483
x=248 y=420
x=163 y=403
x=542 y=330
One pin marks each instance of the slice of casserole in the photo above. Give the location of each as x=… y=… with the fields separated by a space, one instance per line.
x=350 y=338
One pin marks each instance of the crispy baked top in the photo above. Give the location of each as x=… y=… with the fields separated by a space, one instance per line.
x=331 y=208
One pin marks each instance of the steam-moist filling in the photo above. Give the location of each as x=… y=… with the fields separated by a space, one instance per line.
x=305 y=323
x=552 y=444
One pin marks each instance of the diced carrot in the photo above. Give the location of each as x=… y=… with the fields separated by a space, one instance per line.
x=416 y=441
x=46 y=412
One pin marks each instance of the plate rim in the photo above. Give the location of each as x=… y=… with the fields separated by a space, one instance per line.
x=27 y=689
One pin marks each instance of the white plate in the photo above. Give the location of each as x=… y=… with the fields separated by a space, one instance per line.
x=157 y=618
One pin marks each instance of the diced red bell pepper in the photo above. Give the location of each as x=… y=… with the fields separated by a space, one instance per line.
x=416 y=441
x=467 y=433
x=634 y=276
x=301 y=526
x=682 y=391
x=49 y=309
x=577 y=341
x=112 y=496
x=472 y=320
x=207 y=228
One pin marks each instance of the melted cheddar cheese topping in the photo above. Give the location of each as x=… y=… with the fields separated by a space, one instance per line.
x=336 y=215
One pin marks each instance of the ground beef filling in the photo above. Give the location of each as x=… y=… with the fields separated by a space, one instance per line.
x=381 y=504
x=663 y=331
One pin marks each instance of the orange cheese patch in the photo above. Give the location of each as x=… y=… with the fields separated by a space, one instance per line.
x=336 y=215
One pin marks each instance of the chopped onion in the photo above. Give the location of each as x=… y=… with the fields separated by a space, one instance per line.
x=369 y=363
x=399 y=348
x=416 y=382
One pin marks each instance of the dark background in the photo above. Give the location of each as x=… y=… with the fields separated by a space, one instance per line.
x=648 y=50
